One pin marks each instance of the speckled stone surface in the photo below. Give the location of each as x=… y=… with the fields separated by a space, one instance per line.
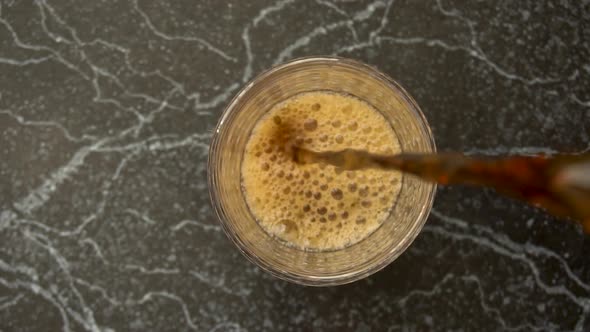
x=107 y=108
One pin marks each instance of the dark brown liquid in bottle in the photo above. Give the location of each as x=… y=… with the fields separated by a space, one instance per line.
x=542 y=181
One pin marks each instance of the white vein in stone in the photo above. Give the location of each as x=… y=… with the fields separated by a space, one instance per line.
x=207 y=45
x=144 y=217
x=57 y=38
x=37 y=290
x=262 y=14
x=144 y=270
x=26 y=62
x=216 y=282
x=503 y=240
x=521 y=257
x=51 y=124
x=63 y=233
x=287 y=52
x=40 y=195
x=94 y=247
x=481 y=55
x=166 y=295
x=227 y=327
x=332 y=6
x=201 y=225
x=7 y=302
x=57 y=55
x=216 y=100
x=103 y=293
x=86 y=317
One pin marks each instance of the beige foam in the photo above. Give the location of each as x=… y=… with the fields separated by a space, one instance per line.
x=314 y=206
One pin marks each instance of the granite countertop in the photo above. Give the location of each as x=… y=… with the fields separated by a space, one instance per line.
x=107 y=109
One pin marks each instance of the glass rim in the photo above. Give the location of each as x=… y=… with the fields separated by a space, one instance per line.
x=317 y=280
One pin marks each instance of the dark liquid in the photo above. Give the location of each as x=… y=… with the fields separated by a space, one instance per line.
x=560 y=184
x=539 y=180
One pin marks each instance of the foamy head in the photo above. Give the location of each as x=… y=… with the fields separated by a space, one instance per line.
x=317 y=206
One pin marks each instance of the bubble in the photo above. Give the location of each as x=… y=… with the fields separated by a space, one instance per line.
x=353 y=126
x=337 y=194
x=281 y=173
x=315 y=182
x=258 y=154
x=367 y=129
x=352 y=187
x=276 y=119
x=316 y=107
x=347 y=109
x=299 y=140
x=366 y=204
x=265 y=166
x=360 y=220
x=308 y=140
x=308 y=194
x=287 y=190
x=364 y=191
x=394 y=181
x=303 y=208
x=310 y=124
x=350 y=175
x=312 y=220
